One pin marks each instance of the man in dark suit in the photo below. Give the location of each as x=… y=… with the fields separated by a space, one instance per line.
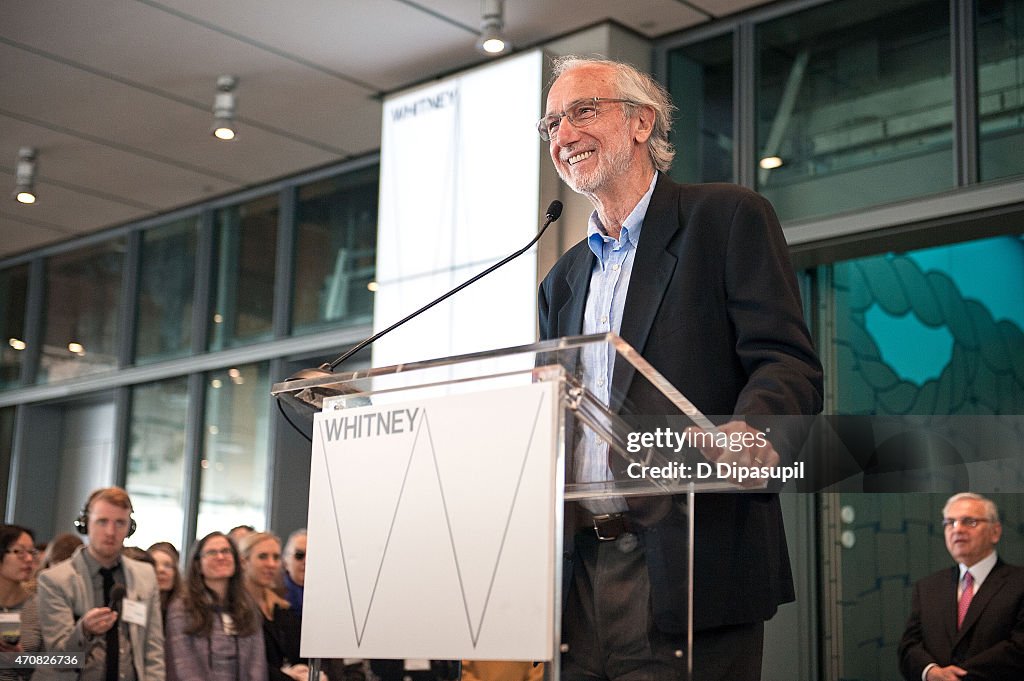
x=698 y=279
x=967 y=622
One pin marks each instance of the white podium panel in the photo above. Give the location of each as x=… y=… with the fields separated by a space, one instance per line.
x=432 y=528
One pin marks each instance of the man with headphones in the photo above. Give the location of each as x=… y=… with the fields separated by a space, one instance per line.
x=102 y=604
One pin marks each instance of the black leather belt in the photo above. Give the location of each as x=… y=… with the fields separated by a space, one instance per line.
x=611 y=526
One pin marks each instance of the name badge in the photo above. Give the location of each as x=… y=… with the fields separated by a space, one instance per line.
x=417 y=665
x=133 y=612
x=228 y=623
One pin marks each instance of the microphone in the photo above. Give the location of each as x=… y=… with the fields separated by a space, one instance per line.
x=117 y=594
x=553 y=212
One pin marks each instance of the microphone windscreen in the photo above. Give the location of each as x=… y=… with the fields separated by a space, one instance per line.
x=554 y=210
x=117 y=594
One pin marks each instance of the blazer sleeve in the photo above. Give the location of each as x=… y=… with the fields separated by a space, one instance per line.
x=772 y=341
x=61 y=630
x=253 y=656
x=912 y=654
x=185 y=655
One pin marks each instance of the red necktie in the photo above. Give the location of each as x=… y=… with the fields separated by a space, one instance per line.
x=965 y=599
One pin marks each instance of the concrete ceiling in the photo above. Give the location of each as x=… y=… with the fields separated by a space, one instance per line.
x=116 y=95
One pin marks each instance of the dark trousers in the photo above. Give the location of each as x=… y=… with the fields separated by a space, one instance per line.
x=611 y=634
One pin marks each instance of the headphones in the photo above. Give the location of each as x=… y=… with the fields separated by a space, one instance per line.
x=82 y=521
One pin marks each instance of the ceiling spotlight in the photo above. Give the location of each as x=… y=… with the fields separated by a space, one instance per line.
x=25 y=176
x=492 y=39
x=770 y=162
x=224 y=108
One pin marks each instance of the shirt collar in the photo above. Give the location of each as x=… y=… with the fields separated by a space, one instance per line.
x=631 y=226
x=93 y=564
x=981 y=569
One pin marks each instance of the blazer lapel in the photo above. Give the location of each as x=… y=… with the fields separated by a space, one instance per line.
x=570 y=315
x=653 y=265
x=948 y=606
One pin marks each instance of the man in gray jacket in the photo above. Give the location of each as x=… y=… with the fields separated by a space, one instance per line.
x=124 y=642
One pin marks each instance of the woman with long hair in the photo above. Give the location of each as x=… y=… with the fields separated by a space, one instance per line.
x=19 y=619
x=168 y=578
x=282 y=627
x=213 y=628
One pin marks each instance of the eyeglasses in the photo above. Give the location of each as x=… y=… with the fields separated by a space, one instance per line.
x=299 y=555
x=21 y=553
x=210 y=553
x=580 y=113
x=967 y=521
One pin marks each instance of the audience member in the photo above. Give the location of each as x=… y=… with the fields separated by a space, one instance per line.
x=168 y=577
x=19 y=624
x=236 y=533
x=295 y=568
x=75 y=595
x=282 y=627
x=60 y=549
x=968 y=620
x=213 y=628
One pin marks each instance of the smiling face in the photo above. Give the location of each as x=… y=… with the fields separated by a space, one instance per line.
x=216 y=559
x=19 y=560
x=968 y=545
x=263 y=563
x=592 y=158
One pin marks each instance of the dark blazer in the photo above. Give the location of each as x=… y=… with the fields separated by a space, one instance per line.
x=713 y=305
x=989 y=645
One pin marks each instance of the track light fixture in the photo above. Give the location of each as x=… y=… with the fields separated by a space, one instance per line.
x=224 y=108
x=492 y=41
x=25 y=176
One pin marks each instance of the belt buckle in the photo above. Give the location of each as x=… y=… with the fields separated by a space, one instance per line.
x=609 y=526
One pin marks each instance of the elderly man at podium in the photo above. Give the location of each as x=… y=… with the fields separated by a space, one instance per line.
x=698 y=279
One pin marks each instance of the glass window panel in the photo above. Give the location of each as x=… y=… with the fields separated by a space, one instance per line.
x=156 y=460
x=13 y=296
x=243 y=281
x=166 y=291
x=1000 y=40
x=926 y=332
x=83 y=301
x=855 y=100
x=700 y=80
x=234 y=463
x=335 y=251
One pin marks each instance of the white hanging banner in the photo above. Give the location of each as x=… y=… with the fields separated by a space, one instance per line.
x=459 y=186
x=432 y=529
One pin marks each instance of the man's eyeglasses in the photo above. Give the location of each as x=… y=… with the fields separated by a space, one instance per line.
x=210 y=553
x=952 y=523
x=299 y=555
x=21 y=553
x=580 y=113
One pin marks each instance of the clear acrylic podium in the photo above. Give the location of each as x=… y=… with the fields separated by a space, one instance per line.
x=438 y=493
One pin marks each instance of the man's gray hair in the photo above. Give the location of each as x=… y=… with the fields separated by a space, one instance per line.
x=638 y=86
x=289 y=545
x=991 y=511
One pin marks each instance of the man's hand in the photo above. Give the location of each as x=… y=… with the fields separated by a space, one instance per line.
x=98 y=621
x=743 y=450
x=950 y=673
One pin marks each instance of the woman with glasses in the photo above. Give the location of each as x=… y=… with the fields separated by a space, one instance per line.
x=168 y=578
x=213 y=629
x=282 y=627
x=19 y=618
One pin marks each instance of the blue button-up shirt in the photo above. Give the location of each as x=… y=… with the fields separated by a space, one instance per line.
x=606 y=299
